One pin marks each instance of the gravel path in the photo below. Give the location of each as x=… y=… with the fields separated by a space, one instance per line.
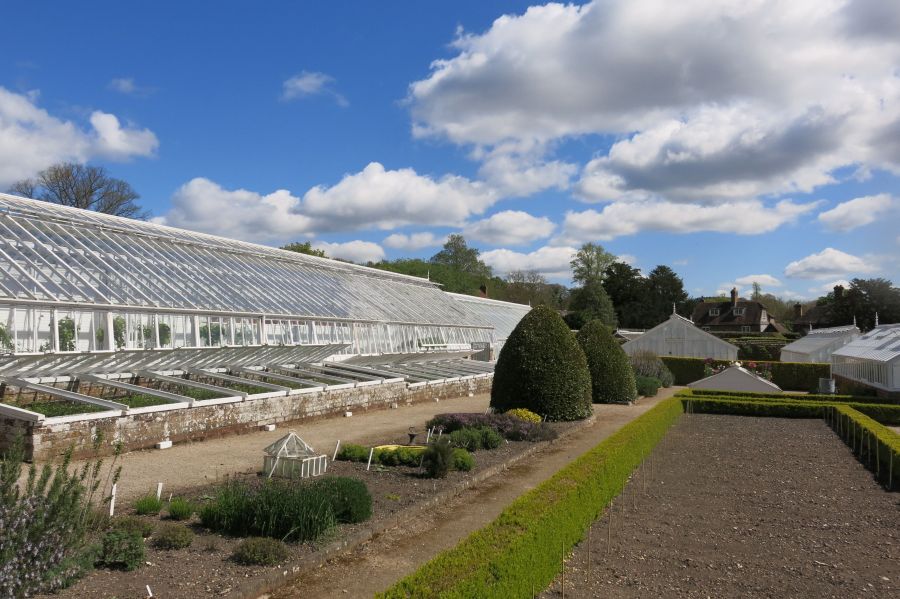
x=744 y=507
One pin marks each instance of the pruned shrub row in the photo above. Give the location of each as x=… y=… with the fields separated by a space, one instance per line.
x=794 y=376
x=877 y=447
x=834 y=398
x=285 y=510
x=510 y=556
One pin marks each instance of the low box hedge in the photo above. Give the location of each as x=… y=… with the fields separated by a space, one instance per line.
x=794 y=376
x=876 y=446
x=833 y=398
x=519 y=551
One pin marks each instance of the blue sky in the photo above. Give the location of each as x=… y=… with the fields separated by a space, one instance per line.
x=732 y=141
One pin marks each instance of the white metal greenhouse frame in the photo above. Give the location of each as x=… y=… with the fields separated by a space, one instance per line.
x=819 y=344
x=873 y=358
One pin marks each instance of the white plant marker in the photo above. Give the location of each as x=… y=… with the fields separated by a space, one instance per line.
x=158 y=490
x=149 y=592
x=112 y=501
x=336 y=447
x=371 y=451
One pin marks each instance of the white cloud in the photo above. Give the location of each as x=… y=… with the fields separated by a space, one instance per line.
x=124 y=85
x=386 y=199
x=354 y=251
x=551 y=261
x=414 y=241
x=748 y=99
x=764 y=280
x=510 y=227
x=748 y=217
x=118 y=143
x=309 y=83
x=203 y=205
x=31 y=139
x=829 y=287
x=628 y=259
x=829 y=263
x=856 y=213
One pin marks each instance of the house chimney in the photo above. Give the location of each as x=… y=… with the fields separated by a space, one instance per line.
x=482 y=291
x=838 y=292
x=798 y=310
x=734 y=296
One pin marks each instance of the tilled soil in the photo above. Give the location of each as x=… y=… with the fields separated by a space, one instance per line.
x=731 y=506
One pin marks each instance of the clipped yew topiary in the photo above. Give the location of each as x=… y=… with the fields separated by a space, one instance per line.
x=541 y=367
x=612 y=378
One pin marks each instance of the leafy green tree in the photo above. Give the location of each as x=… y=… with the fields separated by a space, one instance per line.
x=82 y=186
x=664 y=288
x=862 y=300
x=459 y=256
x=591 y=302
x=590 y=263
x=627 y=289
x=612 y=379
x=304 y=248
x=530 y=287
x=542 y=368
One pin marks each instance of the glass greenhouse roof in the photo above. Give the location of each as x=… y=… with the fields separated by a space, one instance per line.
x=504 y=316
x=60 y=256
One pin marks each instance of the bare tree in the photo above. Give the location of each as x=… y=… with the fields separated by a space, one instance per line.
x=81 y=186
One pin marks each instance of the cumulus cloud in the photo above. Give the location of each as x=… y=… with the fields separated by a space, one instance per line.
x=386 y=199
x=203 y=205
x=354 y=251
x=748 y=217
x=550 y=261
x=32 y=139
x=510 y=227
x=764 y=280
x=748 y=99
x=414 y=241
x=310 y=83
x=856 y=213
x=829 y=263
x=374 y=198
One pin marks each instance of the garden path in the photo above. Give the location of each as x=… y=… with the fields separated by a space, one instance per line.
x=400 y=551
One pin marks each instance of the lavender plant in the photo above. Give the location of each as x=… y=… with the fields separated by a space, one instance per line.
x=46 y=521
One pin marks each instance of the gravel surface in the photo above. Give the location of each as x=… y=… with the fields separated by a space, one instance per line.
x=732 y=506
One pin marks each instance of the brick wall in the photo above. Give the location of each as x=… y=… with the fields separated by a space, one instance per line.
x=143 y=430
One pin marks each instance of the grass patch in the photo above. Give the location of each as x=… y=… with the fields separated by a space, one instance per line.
x=53 y=408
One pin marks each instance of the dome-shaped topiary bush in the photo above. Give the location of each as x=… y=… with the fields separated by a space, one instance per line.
x=541 y=367
x=612 y=379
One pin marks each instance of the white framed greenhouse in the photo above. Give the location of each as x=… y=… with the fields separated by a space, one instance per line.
x=82 y=291
x=503 y=316
x=679 y=337
x=819 y=344
x=872 y=359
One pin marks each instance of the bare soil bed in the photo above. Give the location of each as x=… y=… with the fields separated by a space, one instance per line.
x=206 y=569
x=731 y=506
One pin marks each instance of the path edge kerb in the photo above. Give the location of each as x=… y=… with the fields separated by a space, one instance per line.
x=260 y=585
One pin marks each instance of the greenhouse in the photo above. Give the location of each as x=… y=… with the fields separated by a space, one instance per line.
x=679 y=337
x=503 y=316
x=873 y=359
x=818 y=344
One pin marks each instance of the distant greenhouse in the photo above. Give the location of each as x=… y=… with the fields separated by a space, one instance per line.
x=873 y=359
x=504 y=316
x=679 y=337
x=818 y=344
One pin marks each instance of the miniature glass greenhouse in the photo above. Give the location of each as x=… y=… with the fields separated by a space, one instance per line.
x=291 y=457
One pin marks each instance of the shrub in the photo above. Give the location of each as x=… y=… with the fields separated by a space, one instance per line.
x=180 y=509
x=510 y=427
x=437 y=459
x=122 y=549
x=524 y=414
x=469 y=438
x=45 y=518
x=793 y=376
x=612 y=379
x=353 y=453
x=148 y=504
x=349 y=497
x=399 y=456
x=490 y=439
x=647 y=385
x=684 y=370
x=271 y=509
x=260 y=551
x=134 y=524
x=173 y=536
x=462 y=460
x=646 y=363
x=542 y=368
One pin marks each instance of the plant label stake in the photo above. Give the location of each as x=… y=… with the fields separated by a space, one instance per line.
x=158 y=490
x=562 y=561
x=371 y=451
x=112 y=501
x=609 y=531
x=336 y=447
x=587 y=578
x=149 y=592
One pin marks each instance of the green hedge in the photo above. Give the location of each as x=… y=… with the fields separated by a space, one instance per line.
x=885 y=414
x=877 y=447
x=834 y=398
x=795 y=376
x=520 y=550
